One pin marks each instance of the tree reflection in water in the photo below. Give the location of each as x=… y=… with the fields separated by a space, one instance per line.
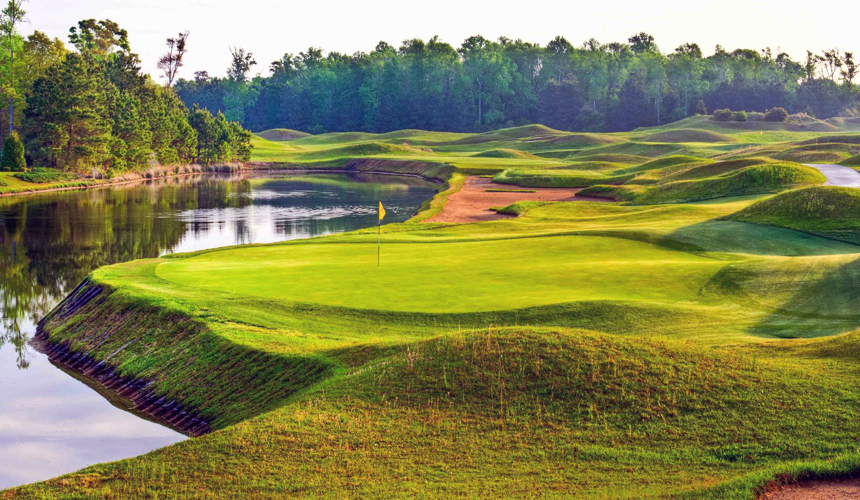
x=50 y=241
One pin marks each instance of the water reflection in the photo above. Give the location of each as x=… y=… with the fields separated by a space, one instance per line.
x=49 y=242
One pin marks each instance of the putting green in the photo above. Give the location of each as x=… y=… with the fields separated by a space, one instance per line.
x=451 y=277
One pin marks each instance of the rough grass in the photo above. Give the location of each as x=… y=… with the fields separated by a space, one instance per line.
x=615 y=193
x=826 y=210
x=505 y=153
x=854 y=161
x=557 y=178
x=817 y=153
x=687 y=135
x=767 y=178
x=668 y=161
x=282 y=134
x=617 y=158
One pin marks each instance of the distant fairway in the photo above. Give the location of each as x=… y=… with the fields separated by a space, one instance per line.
x=451 y=277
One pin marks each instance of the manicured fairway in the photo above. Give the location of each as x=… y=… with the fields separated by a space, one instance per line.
x=451 y=277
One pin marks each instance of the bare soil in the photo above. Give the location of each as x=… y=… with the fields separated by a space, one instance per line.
x=845 y=489
x=472 y=203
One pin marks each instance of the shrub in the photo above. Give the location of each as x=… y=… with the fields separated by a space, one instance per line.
x=701 y=109
x=755 y=116
x=779 y=115
x=739 y=116
x=43 y=175
x=12 y=159
x=723 y=115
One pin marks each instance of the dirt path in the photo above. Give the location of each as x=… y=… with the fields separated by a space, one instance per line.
x=472 y=203
x=847 y=489
x=837 y=175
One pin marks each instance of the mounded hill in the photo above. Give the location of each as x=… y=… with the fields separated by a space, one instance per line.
x=714 y=169
x=832 y=139
x=757 y=179
x=687 y=135
x=668 y=161
x=282 y=134
x=827 y=210
x=817 y=153
x=558 y=177
x=506 y=153
x=513 y=133
x=854 y=161
x=613 y=158
x=364 y=149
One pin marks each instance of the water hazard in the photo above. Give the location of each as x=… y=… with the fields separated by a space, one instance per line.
x=50 y=421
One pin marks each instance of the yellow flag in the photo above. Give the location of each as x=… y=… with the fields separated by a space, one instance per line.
x=381 y=211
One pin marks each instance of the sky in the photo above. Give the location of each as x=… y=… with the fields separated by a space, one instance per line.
x=270 y=28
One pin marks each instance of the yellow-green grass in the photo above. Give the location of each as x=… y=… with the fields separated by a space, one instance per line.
x=514 y=412
x=854 y=161
x=687 y=135
x=558 y=177
x=825 y=210
x=667 y=161
x=818 y=153
x=621 y=158
x=505 y=153
x=756 y=179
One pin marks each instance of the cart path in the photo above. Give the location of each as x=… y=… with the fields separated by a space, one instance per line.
x=837 y=175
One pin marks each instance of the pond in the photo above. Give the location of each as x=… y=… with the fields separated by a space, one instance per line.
x=51 y=422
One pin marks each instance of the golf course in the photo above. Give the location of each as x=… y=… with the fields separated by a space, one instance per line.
x=670 y=312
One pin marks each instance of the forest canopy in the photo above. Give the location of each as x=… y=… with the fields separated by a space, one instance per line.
x=487 y=84
x=91 y=110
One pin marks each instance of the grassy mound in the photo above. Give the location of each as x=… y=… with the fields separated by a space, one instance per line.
x=506 y=412
x=506 y=153
x=282 y=134
x=827 y=210
x=854 y=161
x=694 y=171
x=363 y=149
x=832 y=139
x=572 y=141
x=817 y=153
x=687 y=135
x=768 y=178
x=595 y=166
x=668 y=161
x=559 y=177
x=626 y=159
x=616 y=193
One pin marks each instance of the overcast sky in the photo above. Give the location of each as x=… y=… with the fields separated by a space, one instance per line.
x=269 y=28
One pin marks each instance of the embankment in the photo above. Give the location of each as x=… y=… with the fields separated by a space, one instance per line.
x=167 y=362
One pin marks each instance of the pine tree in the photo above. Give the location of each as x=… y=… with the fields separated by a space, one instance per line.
x=12 y=159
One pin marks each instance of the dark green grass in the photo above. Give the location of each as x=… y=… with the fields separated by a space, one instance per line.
x=45 y=175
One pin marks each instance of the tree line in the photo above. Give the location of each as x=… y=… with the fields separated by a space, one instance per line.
x=91 y=110
x=487 y=84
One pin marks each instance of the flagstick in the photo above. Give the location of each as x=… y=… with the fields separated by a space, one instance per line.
x=378 y=241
